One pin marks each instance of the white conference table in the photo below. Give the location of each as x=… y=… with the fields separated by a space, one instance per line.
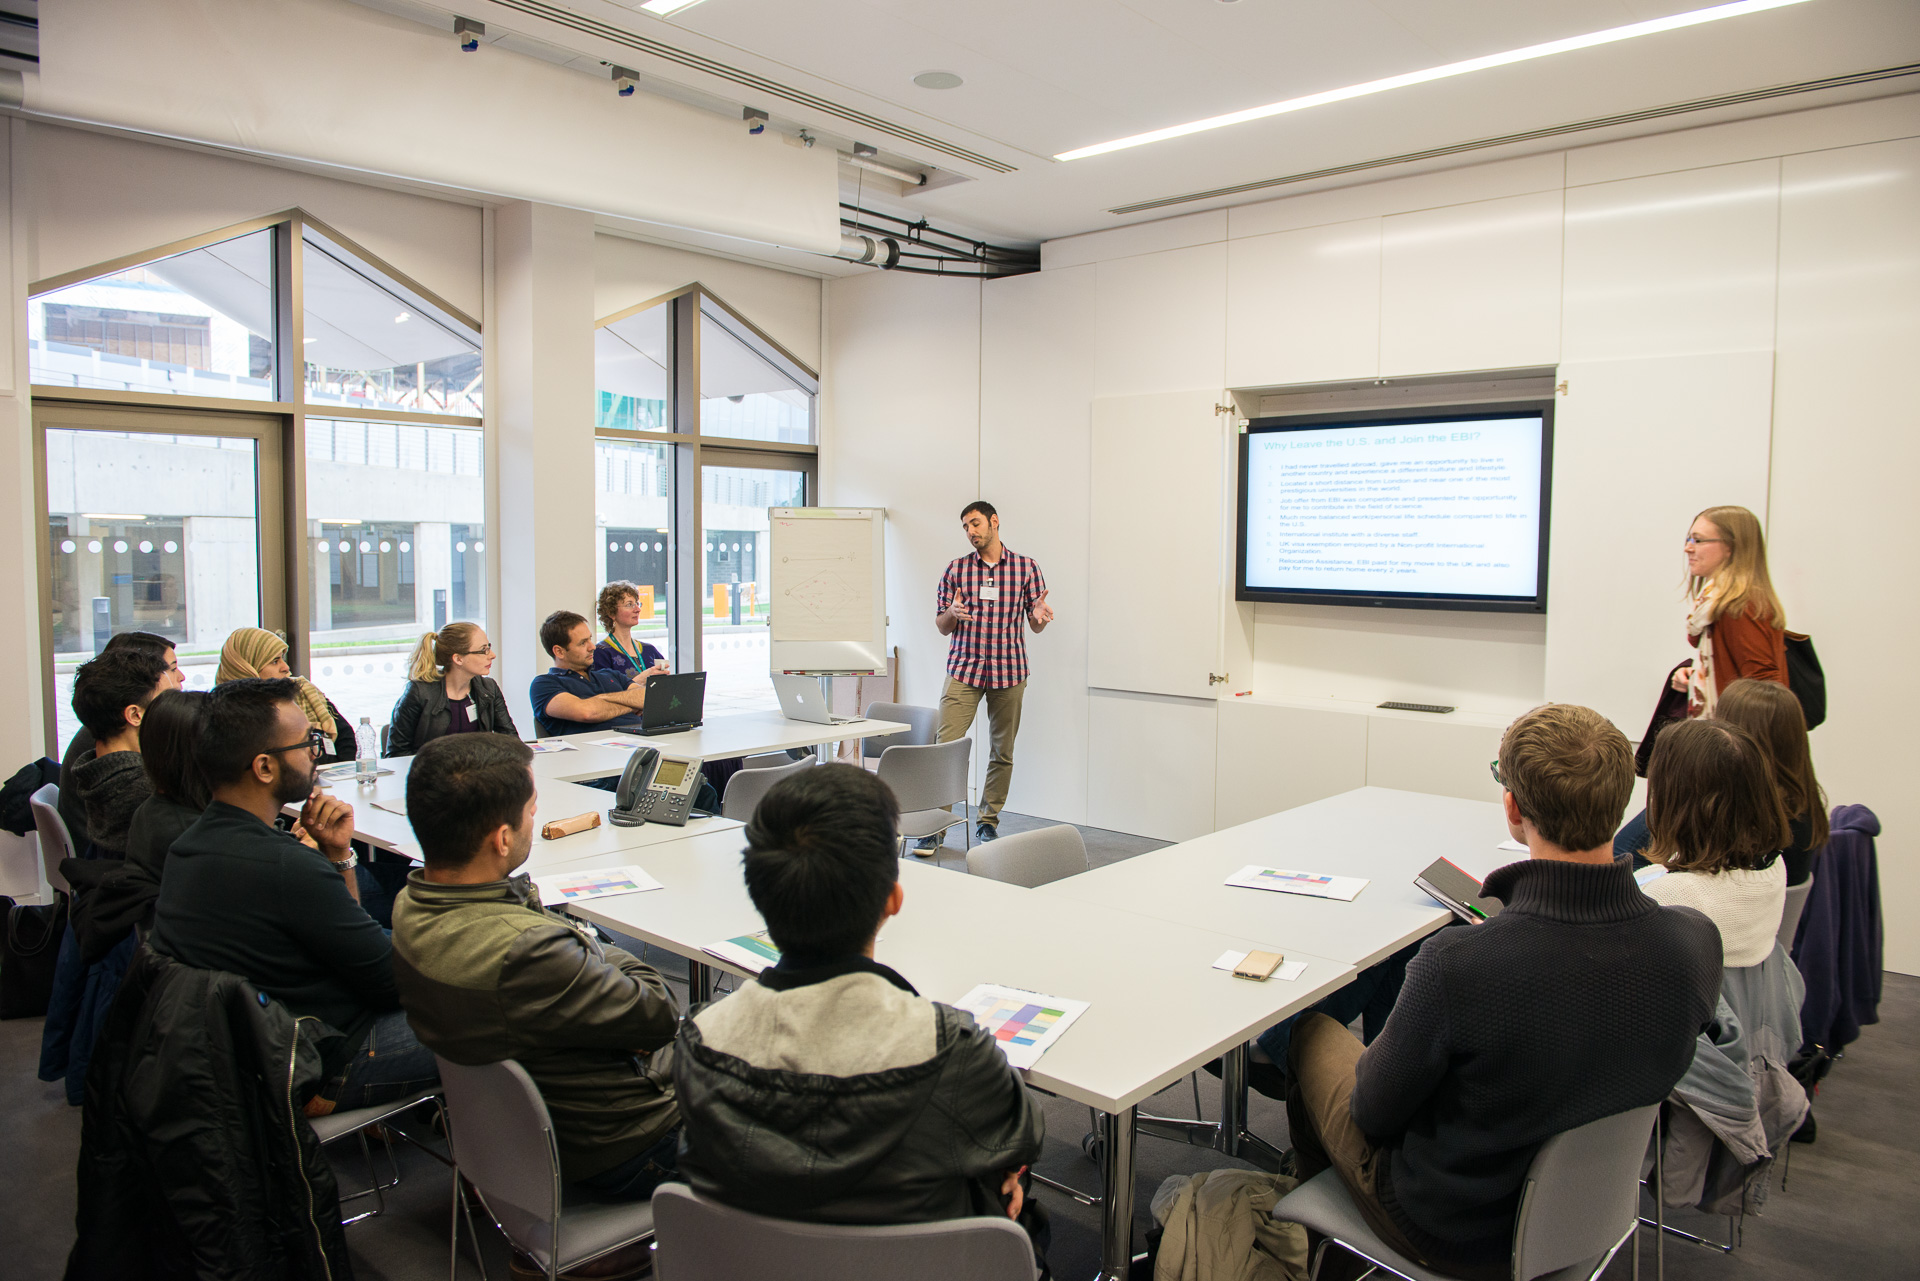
x=1156 y=1012
x=1385 y=835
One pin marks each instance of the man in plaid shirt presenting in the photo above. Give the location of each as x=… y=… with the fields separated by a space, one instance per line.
x=983 y=599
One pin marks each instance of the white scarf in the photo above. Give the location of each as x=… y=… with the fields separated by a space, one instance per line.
x=1701 y=694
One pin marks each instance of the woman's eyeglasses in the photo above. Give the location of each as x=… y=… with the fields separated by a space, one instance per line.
x=1695 y=542
x=469 y=653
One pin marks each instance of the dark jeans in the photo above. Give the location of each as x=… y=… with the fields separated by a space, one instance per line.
x=636 y=1178
x=1630 y=842
x=1369 y=997
x=391 y=1065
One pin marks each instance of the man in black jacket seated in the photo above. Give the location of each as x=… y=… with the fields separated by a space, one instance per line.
x=240 y=895
x=1581 y=999
x=828 y=1089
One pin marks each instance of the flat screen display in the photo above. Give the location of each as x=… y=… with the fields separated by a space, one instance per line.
x=1437 y=509
x=671 y=774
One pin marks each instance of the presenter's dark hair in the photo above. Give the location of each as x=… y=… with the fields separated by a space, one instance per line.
x=462 y=789
x=106 y=686
x=556 y=630
x=169 y=741
x=1711 y=800
x=822 y=855
x=138 y=640
x=239 y=721
x=1571 y=773
x=980 y=505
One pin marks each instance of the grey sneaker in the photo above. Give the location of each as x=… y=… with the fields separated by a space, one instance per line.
x=925 y=846
x=986 y=832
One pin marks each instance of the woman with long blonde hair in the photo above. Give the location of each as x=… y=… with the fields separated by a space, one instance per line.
x=449 y=691
x=1734 y=619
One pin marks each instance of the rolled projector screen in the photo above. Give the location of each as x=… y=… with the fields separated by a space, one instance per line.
x=1447 y=510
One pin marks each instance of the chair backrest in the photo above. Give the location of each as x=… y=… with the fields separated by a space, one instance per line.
x=929 y=777
x=1582 y=1193
x=698 y=1239
x=747 y=786
x=1790 y=915
x=502 y=1139
x=55 y=842
x=1032 y=859
x=925 y=722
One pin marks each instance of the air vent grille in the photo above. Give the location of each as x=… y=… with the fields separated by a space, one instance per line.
x=1551 y=131
x=748 y=80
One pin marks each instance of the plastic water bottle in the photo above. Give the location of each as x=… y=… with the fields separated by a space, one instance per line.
x=366 y=765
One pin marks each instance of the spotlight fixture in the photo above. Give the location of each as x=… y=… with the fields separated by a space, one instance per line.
x=468 y=33
x=663 y=8
x=623 y=79
x=756 y=120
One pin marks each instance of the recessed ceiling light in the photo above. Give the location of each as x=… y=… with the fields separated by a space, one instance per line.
x=1610 y=36
x=665 y=7
x=401 y=319
x=938 y=80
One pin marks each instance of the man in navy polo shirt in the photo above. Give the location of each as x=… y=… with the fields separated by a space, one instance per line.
x=573 y=695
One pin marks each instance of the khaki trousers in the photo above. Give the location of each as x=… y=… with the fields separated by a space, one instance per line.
x=959 y=704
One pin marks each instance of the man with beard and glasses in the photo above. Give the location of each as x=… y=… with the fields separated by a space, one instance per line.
x=240 y=895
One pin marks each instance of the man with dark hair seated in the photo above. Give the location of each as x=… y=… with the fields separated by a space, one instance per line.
x=574 y=695
x=71 y=808
x=110 y=696
x=238 y=894
x=828 y=1089
x=1580 y=1000
x=486 y=974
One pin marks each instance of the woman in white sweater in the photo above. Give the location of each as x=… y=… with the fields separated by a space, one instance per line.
x=1716 y=820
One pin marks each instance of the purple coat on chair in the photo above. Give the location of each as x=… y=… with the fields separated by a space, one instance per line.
x=1838 y=947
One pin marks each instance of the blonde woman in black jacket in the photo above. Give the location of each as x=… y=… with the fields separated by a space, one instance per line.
x=449 y=691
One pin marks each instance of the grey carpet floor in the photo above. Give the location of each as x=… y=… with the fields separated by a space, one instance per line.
x=1850 y=1208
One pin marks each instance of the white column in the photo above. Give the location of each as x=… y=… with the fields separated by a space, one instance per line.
x=21 y=705
x=223 y=578
x=432 y=569
x=542 y=335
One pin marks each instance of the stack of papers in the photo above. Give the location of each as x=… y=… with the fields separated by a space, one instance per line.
x=1024 y=1024
x=551 y=745
x=605 y=882
x=1312 y=884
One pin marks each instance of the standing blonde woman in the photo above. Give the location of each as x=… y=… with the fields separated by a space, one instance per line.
x=253 y=653
x=449 y=691
x=1734 y=620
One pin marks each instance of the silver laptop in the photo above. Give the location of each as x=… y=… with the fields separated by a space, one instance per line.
x=801 y=700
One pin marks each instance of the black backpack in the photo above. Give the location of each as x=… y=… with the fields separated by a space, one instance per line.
x=1805 y=677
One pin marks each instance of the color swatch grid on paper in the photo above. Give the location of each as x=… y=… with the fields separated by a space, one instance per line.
x=1020 y=1022
x=1288 y=881
x=1301 y=879
x=1023 y=1024
x=601 y=882
x=597 y=883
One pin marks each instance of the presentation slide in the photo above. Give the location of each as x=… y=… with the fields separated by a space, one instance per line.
x=1435 y=508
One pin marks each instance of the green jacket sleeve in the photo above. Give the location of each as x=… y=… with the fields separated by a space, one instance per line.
x=559 y=988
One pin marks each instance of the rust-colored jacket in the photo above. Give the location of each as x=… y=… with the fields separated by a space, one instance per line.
x=1746 y=647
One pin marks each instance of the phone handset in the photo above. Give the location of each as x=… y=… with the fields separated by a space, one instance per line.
x=654 y=789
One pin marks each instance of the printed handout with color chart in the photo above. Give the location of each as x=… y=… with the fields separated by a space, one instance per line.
x=605 y=882
x=542 y=747
x=1312 y=884
x=1024 y=1024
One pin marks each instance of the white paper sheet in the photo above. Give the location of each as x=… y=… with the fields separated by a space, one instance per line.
x=1512 y=846
x=551 y=745
x=562 y=888
x=1024 y=1024
x=1285 y=881
x=1288 y=971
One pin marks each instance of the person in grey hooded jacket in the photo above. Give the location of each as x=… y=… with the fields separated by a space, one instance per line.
x=829 y=1090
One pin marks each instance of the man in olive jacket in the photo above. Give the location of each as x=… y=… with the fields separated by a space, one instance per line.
x=828 y=1089
x=486 y=974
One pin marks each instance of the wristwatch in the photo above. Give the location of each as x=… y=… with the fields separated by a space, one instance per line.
x=347 y=864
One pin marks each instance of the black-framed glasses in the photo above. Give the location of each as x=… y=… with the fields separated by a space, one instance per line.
x=1695 y=542
x=314 y=742
x=469 y=653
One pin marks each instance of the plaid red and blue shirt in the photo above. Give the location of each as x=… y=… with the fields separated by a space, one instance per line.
x=990 y=652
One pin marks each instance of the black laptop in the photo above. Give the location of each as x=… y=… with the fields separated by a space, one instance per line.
x=674 y=703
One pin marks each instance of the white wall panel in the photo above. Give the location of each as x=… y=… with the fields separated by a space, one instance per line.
x=1640 y=446
x=1442 y=755
x=1760 y=138
x=904 y=390
x=785 y=304
x=93 y=198
x=1273 y=757
x=1150 y=764
x=1485 y=663
x=1162 y=322
x=1140 y=238
x=1471 y=286
x=1846 y=530
x=1671 y=264
x=1304 y=306
x=1490 y=181
x=1036 y=384
x=1155 y=566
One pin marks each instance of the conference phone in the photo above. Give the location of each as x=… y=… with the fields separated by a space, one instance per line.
x=655 y=789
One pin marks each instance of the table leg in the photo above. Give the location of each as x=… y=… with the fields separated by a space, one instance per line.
x=1233 y=1098
x=699 y=983
x=1116 y=1209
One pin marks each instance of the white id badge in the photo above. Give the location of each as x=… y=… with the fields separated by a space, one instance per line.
x=989 y=592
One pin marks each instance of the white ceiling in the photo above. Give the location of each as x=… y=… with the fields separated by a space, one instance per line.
x=1045 y=76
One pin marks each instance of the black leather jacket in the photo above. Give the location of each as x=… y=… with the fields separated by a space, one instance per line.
x=195 y=1159
x=900 y=1139
x=421 y=714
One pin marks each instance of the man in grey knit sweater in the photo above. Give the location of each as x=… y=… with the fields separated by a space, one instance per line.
x=1581 y=999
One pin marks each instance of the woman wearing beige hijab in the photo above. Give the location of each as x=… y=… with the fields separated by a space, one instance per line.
x=254 y=653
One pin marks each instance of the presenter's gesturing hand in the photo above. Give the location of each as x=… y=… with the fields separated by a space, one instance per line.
x=1041 y=614
x=957 y=613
